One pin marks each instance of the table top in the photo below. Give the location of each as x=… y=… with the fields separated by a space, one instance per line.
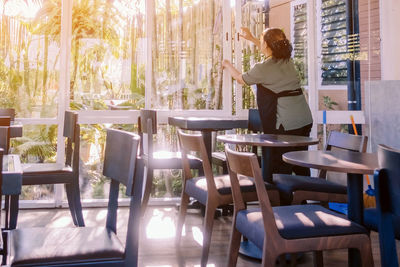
x=335 y=160
x=267 y=140
x=204 y=123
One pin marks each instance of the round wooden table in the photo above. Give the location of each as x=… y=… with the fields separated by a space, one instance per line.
x=355 y=164
x=267 y=141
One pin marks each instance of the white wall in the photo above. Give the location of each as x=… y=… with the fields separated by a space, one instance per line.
x=390 y=45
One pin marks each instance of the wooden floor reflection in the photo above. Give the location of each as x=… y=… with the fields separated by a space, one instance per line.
x=157 y=237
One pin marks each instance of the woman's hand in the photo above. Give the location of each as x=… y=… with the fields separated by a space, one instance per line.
x=246 y=34
x=226 y=64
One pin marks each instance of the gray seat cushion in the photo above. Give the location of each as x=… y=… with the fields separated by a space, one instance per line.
x=287 y=184
x=297 y=221
x=38 y=246
x=197 y=187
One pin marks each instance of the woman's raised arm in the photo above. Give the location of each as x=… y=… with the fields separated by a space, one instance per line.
x=246 y=34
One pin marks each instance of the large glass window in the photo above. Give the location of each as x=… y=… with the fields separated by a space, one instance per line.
x=253 y=17
x=187 y=54
x=107 y=54
x=29 y=61
x=333 y=34
x=299 y=39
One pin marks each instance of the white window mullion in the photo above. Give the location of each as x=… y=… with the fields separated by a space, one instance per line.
x=227 y=54
x=238 y=56
x=63 y=96
x=150 y=6
x=312 y=62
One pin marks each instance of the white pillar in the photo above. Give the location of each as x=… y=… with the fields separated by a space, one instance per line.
x=390 y=39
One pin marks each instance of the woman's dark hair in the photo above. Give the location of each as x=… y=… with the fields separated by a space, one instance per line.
x=280 y=46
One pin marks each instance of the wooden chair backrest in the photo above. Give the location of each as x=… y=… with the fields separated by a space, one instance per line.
x=5 y=138
x=122 y=166
x=72 y=132
x=147 y=127
x=195 y=143
x=356 y=143
x=10 y=112
x=5 y=120
x=389 y=162
x=245 y=163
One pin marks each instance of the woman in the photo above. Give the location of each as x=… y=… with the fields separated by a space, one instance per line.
x=278 y=88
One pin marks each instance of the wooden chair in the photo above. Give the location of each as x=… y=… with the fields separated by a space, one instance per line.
x=54 y=173
x=386 y=217
x=254 y=125
x=210 y=191
x=5 y=121
x=157 y=159
x=9 y=112
x=5 y=138
x=287 y=229
x=296 y=189
x=91 y=246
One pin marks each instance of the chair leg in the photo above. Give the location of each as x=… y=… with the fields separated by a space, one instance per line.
x=366 y=254
x=7 y=212
x=74 y=203
x=147 y=189
x=234 y=245
x=268 y=258
x=14 y=206
x=181 y=217
x=207 y=231
x=78 y=204
x=318 y=258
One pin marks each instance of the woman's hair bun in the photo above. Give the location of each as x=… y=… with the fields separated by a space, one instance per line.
x=279 y=44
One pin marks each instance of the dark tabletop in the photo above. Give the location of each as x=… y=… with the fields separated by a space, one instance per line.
x=203 y=123
x=267 y=140
x=12 y=175
x=338 y=161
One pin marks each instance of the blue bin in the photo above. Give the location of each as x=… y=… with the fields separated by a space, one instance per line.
x=339 y=207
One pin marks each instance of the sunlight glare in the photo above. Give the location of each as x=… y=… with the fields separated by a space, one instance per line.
x=63 y=221
x=197 y=235
x=101 y=215
x=25 y=9
x=160 y=226
x=332 y=220
x=304 y=219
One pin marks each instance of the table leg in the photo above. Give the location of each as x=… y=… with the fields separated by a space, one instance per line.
x=355 y=209
x=266 y=167
x=207 y=141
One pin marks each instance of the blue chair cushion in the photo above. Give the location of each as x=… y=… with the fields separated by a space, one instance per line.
x=297 y=221
x=197 y=187
x=371 y=221
x=287 y=184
